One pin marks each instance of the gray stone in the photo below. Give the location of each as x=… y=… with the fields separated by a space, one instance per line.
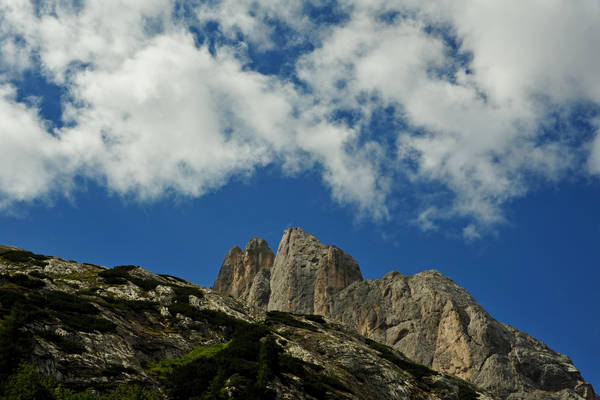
x=425 y=316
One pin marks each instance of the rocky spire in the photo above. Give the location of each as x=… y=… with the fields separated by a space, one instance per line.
x=240 y=268
x=426 y=316
x=307 y=273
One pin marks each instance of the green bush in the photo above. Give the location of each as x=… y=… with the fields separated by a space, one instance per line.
x=173 y=277
x=238 y=363
x=182 y=293
x=9 y=297
x=62 y=302
x=27 y=384
x=22 y=256
x=465 y=392
x=86 y=323
x=280 y=317
x=130 y=305
x=14 y=343
x=116 y=275
x=40 y=275
x=144 y=283
x=119 y=275
x=75 y=312
x=23 y=280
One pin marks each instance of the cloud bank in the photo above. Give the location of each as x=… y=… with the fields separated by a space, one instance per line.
x=483 y=101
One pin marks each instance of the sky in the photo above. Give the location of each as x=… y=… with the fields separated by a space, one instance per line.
x=457 y=135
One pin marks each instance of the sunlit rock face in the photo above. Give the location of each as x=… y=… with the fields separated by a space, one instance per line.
x=426 y=316
x=240 y=268
x=307 y=273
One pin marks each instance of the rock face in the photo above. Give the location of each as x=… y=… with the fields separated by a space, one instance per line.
x=307 y=273
x=241 y=267
x=433 y=321
x=89 y=327
x=426 y=316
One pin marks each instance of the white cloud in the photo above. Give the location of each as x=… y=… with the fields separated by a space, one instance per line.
x=150 y=113
x=31 y=160
x=479 y=123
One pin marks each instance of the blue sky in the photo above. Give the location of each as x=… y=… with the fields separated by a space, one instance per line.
x=453 y=136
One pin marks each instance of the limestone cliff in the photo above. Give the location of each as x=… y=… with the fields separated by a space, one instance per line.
x=239 y=269
x=426 y=316
x=307 y=273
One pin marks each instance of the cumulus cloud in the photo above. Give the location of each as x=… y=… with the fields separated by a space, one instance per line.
x=152 y=109
x=31 y=161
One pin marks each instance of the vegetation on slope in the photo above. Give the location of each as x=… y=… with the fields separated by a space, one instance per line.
x=239 y=360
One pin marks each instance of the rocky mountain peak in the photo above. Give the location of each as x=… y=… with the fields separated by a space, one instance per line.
x=426 y=316
x=240 y=268
x=306 y=273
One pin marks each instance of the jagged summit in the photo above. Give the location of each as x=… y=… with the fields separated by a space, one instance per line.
x=241 y=267
x=300 y=278
x=426 y=316
x=306 y=273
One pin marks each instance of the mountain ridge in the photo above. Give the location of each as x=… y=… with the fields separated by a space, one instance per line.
x=71 y=331
x=426 y=316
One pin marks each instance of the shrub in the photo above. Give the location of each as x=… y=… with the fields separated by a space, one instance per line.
x=130 y=305
x=22 y=256
x=280 y=317
x=27 y=384
x=237 y=363
x=119 y=275
x=144 y=283
x=40 y=275
x=465 y=392
x=13 y=342
x=23 y=280
x=182 y=293
x=86 y=323
x=9 y=297
x=61 y=302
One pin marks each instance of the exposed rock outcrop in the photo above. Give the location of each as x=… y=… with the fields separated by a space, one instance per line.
x=426 y=316
x=89 y=327
x=240 y=268
x=307 y=273
x=433 y=321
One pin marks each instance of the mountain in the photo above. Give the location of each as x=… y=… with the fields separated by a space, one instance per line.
x=426 y=317
x=72 y=331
